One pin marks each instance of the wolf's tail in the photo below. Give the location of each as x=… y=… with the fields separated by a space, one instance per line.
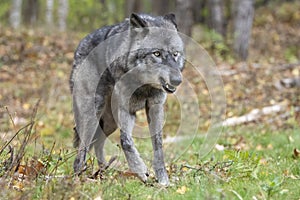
x=76 y=139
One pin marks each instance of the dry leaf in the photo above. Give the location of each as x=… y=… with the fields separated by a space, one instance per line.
x=182 y=190
x=219 y=147
x=128 y=174
x=35 y=168
x=296 y=153
x=18 y=185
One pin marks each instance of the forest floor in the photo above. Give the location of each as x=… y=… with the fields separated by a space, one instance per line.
x=256 y=157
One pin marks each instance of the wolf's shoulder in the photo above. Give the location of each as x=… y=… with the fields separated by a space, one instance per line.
x=88 y=43
x=105 y=32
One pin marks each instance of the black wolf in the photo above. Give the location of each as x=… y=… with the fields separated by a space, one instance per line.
x=117 y=71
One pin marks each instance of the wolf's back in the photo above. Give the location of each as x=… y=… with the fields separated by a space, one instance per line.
x=91 y=41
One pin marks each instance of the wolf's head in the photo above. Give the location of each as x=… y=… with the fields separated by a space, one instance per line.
x=156 y=45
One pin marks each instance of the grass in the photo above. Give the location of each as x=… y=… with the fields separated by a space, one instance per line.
x=253 y=163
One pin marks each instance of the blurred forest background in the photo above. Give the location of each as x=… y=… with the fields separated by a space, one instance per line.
x=230 y=21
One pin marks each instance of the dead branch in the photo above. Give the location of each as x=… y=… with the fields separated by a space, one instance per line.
x=287 y=66
x=10 y=117
x=287 y=83
x=254 y=115
x=17 y=133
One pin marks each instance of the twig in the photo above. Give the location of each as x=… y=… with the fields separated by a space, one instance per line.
x=105 y=167
x=58 y=163
x=10 y=117
x=287 y=66
x=5 y=145
x=236 y=194
x=21 y=151
x=189 y=167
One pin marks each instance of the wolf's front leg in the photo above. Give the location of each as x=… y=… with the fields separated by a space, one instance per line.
x=136 y=164
x=155 y=116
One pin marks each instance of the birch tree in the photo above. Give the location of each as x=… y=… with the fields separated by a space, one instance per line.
x=49 y=12
x=63 y=8
x=243 y=13
x=15 y=13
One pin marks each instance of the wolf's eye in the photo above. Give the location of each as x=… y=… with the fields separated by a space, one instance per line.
x=175 y=54
x=156 y=53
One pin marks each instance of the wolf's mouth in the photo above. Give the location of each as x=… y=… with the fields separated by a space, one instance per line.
x=167 y=87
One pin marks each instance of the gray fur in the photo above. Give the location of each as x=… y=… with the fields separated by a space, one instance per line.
x=117 y=71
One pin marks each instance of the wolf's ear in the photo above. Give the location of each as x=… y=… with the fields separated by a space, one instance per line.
x=171 y=17
x=136 y=21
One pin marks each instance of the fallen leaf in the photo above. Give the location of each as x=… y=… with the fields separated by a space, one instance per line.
x=296 y=153
x=18 y=185
x=292 y=176
x=182 y=190
x=47 y=131
x=128 y=174
x=26 y=106
x=32 y=170
x=263 y=161
x=184 y=169
x=259 y=147
x=219 y=147
x=291 y=139
x=270 y=146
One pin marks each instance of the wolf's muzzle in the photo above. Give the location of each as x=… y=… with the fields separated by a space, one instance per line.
x=171 y=87
x=175 y=80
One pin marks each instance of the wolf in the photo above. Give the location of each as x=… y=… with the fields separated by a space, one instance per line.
x=117 y=71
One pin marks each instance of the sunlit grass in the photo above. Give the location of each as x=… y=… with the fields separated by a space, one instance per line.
x=255 y=163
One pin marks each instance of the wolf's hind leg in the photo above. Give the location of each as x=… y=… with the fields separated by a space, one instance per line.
x=107 y=128
x=98 y=146
x=87 y=125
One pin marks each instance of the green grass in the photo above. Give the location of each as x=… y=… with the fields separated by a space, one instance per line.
x=263 y=168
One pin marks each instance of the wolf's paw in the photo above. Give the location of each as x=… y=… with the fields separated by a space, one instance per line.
x=79 y=167
x=79 y=164
x=143 y=176
x=162 y=177
x=140 y=170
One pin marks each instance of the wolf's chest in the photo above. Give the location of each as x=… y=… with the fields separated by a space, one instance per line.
x=136 y=104
x=142 y=95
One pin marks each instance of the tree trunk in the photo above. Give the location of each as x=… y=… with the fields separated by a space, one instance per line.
x=243 y=12
x=31 y=9
x=184 y=16
x=133 y=6
x=63 y=7
x=49 y=12
x=15 y=13
x=160 y=7
x=216 y=16
x=198 y=8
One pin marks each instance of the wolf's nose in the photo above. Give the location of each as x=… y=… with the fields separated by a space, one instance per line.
x=175 y=80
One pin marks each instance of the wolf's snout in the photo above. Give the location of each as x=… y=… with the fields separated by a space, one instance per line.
x=170 y=85
x=175 y=80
